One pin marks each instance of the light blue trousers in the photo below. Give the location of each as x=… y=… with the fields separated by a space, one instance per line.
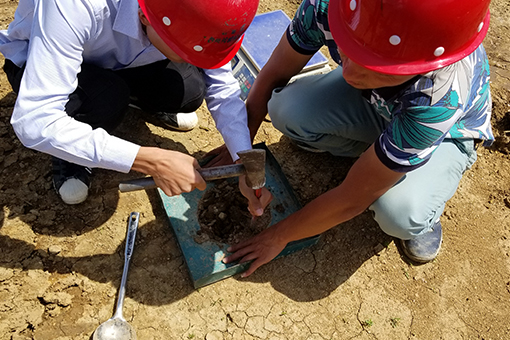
x=329 y=114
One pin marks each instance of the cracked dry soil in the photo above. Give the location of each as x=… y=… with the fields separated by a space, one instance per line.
x=60 y=266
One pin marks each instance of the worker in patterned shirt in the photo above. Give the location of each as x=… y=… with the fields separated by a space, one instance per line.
x=410 y=98
x=77 y=65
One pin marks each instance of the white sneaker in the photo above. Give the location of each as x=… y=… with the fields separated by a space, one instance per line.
x=73 y=191
x=71 y=181
x=182 y=121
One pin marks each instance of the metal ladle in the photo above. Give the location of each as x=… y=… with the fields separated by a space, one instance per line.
x=117 y=328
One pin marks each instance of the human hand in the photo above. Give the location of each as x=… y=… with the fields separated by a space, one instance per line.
x=219 y=156
x=173 y=172
x=260 y=249
x=256 y=204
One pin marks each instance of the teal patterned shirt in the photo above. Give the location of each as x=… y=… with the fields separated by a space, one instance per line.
x=453 y=102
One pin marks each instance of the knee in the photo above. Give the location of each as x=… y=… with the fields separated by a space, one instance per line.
x=195 y=89
x=402 y=219
x=114 y=116
x=100 y=106
x=276 y=110
x=194 y=102
x=287 y=113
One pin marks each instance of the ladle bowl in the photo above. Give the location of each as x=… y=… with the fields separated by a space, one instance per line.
x=115 y=329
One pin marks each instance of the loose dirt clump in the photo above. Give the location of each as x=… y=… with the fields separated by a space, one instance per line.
x=224 y=217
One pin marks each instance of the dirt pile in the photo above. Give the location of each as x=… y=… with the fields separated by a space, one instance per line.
x=224 y=217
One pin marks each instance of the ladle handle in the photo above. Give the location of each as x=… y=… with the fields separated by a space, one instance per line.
x=133 y=221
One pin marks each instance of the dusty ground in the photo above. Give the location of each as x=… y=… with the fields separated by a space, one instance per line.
x=60 y=266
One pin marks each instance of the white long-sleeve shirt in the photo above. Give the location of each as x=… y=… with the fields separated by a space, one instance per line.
x=53 y=38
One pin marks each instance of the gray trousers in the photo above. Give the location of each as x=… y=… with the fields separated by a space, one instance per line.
x=329 y=114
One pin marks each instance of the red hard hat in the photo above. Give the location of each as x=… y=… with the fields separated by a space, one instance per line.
x=407 y=37
x=205 y=33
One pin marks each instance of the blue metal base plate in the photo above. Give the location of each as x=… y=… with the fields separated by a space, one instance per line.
x=204 y=259
x=263 y=35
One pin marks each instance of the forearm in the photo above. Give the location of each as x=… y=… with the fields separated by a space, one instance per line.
x=367 y=180
x=154 y=161
x=227 y=109
x=283 y=64
x=325 y=212
x=51 y=131
x=259 y=96
x=145 y=161
x=231 y=121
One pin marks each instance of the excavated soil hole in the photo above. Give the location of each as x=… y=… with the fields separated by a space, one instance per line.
x=224 y=217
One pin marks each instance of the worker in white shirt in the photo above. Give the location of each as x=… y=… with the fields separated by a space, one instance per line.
x=77 y=66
